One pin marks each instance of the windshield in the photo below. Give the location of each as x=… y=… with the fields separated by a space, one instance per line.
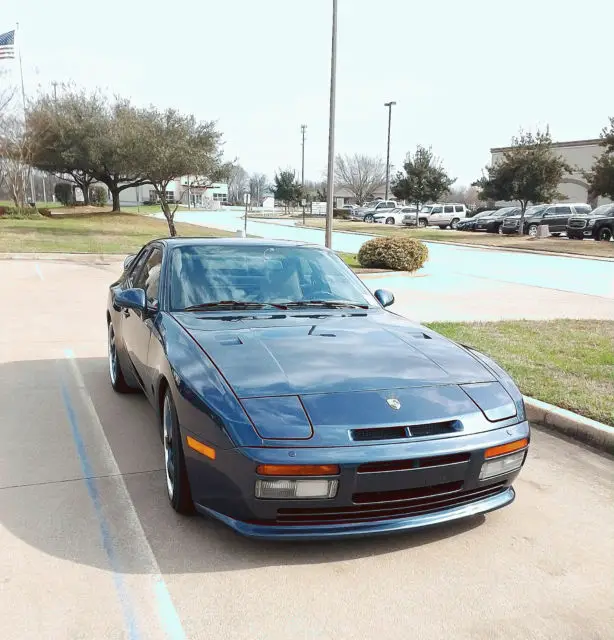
x=427 y=208
x=202 y=274
x=535 y=210
x=603 y=210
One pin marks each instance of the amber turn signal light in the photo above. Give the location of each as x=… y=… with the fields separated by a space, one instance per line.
x=209 y=452
x=510 y=447
x=298 y=469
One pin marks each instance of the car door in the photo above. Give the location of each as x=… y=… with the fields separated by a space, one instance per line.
x=137 y=325
x=448 y=214
x=562 y=214
x=436 y=216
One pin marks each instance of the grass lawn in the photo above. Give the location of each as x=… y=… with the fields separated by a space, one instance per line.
x=90 y=233
x=554 y=245
x=568 y=363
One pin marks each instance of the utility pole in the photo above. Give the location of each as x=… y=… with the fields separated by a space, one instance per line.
x=54 y=84
x=389 y=105
x=331 y=133
x=303 y=129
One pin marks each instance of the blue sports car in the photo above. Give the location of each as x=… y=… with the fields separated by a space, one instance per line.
x=293 y=405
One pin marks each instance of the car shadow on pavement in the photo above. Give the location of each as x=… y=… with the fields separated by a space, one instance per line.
x=47 y=502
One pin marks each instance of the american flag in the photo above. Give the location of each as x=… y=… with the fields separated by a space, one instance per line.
x=7 y=45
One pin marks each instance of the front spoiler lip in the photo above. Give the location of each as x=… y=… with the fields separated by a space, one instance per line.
x=381 y=527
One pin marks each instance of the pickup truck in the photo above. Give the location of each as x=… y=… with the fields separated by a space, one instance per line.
x=367 y=212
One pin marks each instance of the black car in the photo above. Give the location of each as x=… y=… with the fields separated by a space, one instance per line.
x=555 y=216
x=598 y=225
x=492 y=223
x=468 y=224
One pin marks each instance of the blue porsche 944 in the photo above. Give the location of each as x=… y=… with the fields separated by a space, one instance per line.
x=293 y=404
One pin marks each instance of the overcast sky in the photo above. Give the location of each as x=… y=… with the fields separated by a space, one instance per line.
x=465 y=75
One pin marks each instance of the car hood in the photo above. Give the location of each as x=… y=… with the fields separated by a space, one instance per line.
x=309 y=353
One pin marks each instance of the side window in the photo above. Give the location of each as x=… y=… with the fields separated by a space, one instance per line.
x=448 y=209
x=149 y=277
x=550 y=212
x=583 y=208
x=563 y=211
x=459 y=208
x=136 y=267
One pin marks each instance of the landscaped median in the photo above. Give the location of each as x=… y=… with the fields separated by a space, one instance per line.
x=521 y=243
x=566 y=363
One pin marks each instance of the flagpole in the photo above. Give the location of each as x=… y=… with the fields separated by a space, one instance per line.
x=23 y=99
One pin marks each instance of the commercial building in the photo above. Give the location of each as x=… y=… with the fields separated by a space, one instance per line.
x=199 y=193
x=579 y=154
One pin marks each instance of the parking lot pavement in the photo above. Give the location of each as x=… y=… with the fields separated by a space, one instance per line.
x=89 y=547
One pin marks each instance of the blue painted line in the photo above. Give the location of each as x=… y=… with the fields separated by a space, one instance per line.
x=39 y=273
x=105 y=534
x=167 y=612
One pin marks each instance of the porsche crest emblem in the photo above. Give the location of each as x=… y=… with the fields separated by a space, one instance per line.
x=393 y=403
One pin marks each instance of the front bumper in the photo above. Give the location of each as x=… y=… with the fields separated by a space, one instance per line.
x=440 y=485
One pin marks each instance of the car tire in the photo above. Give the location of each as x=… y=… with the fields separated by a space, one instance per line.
x=116 y=375
x=454 y=223
x=176 y=474
x=500 y=229
x=422 y=223
x=532 y=230
x=605 y=234
x=368 y=218
x=389 y=220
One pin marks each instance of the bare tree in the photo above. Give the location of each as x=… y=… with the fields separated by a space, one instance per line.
x=238 y=182
x=258 y=188
x=15 y=158
x=361 y=175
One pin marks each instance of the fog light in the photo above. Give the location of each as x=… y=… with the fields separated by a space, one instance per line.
x=295 y=489
x=504 y=464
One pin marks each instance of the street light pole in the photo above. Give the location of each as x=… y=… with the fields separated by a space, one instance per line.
x=331 y=133
x=303 y=129
x=389 y=105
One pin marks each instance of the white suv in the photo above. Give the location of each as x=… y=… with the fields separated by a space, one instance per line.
x=446 y=214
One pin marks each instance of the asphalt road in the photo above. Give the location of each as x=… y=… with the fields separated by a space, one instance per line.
x=89 y=547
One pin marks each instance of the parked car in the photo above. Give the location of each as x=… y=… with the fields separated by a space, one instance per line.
x=394 y=216
x=367 y=212
x=492 y=223
x=555 y=216
x=468 y=224
x=423 y=217
x=448 y=214
x=280 y=419
x=599 y=224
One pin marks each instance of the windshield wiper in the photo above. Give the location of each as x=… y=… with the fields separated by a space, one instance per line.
x=233 y=304
x=330 y=304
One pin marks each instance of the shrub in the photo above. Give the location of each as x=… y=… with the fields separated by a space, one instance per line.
x=341 y=214
x=63 y=192
x=98 y=196
x=394 y=252
x=44 y=212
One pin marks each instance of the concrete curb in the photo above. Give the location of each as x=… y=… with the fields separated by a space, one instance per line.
x=591 y=432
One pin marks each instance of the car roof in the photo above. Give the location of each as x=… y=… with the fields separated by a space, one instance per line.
x=184 y=241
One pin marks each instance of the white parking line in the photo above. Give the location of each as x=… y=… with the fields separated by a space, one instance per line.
x=167 y=613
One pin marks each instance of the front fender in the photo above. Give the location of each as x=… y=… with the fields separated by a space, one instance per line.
x=206 y=405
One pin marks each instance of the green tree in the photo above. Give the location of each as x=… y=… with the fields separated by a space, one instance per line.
x=171 y=145
x=601 y=176
x=423 y=180
x=529 y=172
x=86 y=137
x=286 y=188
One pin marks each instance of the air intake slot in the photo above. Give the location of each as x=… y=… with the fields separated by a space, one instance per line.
x=414 y=431
x=417 y=463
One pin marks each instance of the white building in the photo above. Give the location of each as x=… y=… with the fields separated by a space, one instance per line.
x=199 y=192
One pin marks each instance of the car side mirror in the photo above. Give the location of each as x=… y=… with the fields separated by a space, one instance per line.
x=384 y=297
x=128 y=261
x=131 y=299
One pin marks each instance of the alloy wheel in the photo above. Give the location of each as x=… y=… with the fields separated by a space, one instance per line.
x=605 y=234
x=532 y=231
x=169 y=448
x=112 y=355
